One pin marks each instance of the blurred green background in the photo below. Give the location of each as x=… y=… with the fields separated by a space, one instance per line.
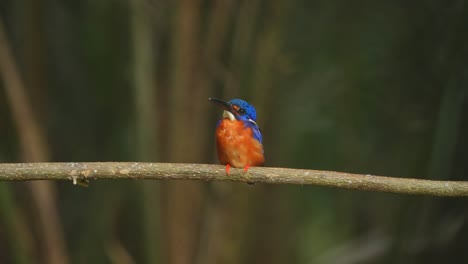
x=366 y=87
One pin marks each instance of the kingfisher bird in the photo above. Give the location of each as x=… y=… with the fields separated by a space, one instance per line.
x=238 y=137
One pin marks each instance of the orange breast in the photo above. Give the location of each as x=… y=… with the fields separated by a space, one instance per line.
x=237 y=146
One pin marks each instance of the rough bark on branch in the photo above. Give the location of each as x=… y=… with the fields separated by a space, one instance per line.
x=74 y=171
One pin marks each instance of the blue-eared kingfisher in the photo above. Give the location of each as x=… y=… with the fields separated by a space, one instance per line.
x=238 y=137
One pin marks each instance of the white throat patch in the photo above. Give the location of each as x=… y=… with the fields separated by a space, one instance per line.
x=227 y=114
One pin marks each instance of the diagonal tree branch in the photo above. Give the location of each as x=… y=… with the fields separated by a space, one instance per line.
x=182 y=171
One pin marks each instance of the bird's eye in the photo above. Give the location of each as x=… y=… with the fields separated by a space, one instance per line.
x=241 y=111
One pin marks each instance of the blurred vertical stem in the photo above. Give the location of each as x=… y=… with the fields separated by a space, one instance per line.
x=267 y=53
x=217 y=227
x=16 y=233
x=34 y=49
x=184 y=80
x=236 y=200
x=265 y=75
x=244 y=30
x=446 y=133
x=183 y=200
x=20 y=244
x=444 y=145
x=446 y=129
x=144 y=85
x=34 y=149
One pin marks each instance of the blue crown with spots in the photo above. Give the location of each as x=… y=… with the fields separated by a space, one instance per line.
x=249 y=110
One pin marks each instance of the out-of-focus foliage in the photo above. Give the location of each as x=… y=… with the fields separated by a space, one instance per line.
x=369 y=87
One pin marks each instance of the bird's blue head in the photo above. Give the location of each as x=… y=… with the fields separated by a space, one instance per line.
x=244 y=110
x=238 y=109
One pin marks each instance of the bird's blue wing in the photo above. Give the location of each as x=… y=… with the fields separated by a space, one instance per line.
x=257 y=134
x=255 y=129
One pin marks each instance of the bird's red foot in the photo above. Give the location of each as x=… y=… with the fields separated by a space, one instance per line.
x=246 y=168
x=228 y=168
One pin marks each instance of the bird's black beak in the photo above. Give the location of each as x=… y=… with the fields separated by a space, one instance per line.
x=224 y=105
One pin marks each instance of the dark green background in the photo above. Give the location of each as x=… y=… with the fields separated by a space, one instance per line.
x=373 y=87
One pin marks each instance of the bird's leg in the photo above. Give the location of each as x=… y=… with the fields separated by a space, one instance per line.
x=246 y=174
x=228 y=168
